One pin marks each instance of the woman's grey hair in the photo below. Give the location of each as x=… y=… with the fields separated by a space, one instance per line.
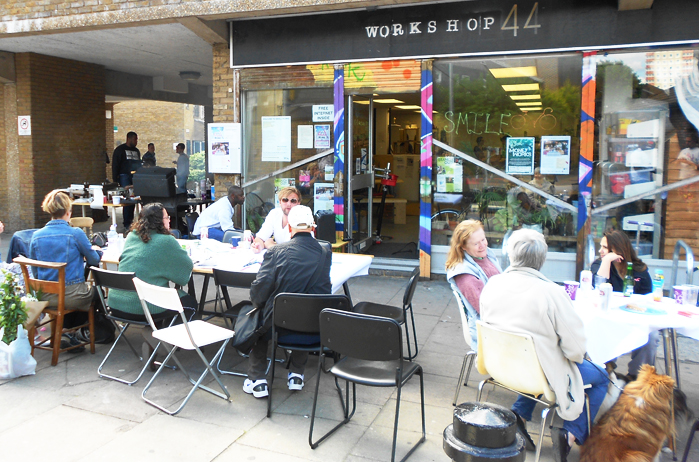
x=527 y=248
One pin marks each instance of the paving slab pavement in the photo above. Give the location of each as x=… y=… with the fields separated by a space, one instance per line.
x=110 y=421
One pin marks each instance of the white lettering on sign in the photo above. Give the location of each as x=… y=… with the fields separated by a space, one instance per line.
x=415 y=28
x=384 y=31
x=371 y=31
x=520 y=152
x=487 y=22
x=323 y=113
x=397 y=30
x=432 y=27
x=452 y=25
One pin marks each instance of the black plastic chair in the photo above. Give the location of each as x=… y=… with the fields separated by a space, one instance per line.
x=688 y=447
x=105 y=279
x=372 y=350
x=226 y=309
x=398 y=314
x=299 y=314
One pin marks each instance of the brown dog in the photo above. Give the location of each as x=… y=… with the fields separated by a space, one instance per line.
x=636 y=426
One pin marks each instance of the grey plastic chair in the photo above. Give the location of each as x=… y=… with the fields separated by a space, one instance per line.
x=372 y=350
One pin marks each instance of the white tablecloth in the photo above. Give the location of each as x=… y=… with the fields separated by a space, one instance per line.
x=616 y=332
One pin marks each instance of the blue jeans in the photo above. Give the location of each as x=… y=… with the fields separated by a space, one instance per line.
x=591 y=375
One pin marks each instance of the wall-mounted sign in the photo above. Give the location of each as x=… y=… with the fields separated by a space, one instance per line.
x=24 y=125
x=452 y=28
x=322 y=136
x=555 y=155
x=323 y=112
x=224 y=148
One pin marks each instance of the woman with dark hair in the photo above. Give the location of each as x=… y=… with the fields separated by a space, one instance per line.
x=616 y=252
x=153 y=253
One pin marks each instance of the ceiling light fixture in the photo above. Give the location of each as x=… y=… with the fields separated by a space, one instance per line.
x=511 y=72
x=524 y=97
x=408 y=106
x=190 y=76
x=529 y=103
x=522 y=87
x=389 y=101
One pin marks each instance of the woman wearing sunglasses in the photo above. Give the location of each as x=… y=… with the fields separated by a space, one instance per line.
x=275 y=229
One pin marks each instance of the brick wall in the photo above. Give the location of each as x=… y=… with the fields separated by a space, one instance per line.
x=66 y=101
x=155 y=122
x=3 y=158
x=109 y=138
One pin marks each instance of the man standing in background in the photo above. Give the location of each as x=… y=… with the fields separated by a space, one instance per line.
x=182 y=168
x=149 y=156
x=126 y=160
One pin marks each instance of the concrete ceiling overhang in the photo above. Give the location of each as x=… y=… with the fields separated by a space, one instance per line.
x=136 y=53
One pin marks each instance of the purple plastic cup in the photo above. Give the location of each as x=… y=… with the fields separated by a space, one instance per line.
x=679 y=294
x=571 y=288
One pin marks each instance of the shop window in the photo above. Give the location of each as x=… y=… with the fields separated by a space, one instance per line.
x=647 y=124
x=521 y=117
x=279 y=131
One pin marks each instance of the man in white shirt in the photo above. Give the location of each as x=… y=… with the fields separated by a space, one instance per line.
x=275 y=229
x=218 y=217
x=182 y=168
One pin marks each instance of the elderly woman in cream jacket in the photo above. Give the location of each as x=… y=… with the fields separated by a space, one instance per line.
x=522 y=300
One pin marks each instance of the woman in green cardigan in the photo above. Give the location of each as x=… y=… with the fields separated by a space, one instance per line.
x=153 y=253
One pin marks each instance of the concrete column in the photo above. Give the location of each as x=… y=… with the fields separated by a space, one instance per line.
x=12 y=219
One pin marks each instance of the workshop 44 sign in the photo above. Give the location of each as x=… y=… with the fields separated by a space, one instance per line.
x=520 y=156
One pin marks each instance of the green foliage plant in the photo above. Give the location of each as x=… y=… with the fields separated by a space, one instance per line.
x=12 y=308
x=197 y=166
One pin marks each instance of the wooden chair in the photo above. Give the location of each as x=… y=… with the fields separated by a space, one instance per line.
x=83 y=222
x=56 y=315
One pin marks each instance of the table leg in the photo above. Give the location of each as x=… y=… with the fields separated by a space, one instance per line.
x=190 y=287
x=667 y=349
x=345 y=287
x=114 y=216
x=204 y=290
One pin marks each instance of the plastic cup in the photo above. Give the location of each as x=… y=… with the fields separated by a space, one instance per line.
x=599 y=280
x=678 y=293
x=690 y=295
x=571 y=288
x=116 y=200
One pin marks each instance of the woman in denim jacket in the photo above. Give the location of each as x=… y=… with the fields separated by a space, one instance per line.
x=59 y=242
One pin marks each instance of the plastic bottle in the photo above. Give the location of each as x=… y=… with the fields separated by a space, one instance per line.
x=112 y=237
x=202 y=185
x=213 y=192
x=658 y=284
x=628 y=281
x=208 y=188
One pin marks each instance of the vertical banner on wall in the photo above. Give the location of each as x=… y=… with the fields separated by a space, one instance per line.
x=426 y=169
x=339 y=165
x=587 y=135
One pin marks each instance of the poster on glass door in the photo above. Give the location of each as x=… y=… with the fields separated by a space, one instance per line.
x=276 y=139
x=323 y=196
x=520 y=156
x=224 y=148
x=555 y=155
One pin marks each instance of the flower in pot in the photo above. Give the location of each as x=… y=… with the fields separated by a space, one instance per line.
x=12 y=309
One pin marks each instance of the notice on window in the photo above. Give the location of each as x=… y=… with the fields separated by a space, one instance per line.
x=555 y=155
x=449 y=175
x=276 y=139
x=322 y=136
x=323 y=112
x=520 y=156
x=323 y=196
x=224 y=148
x=305 y=136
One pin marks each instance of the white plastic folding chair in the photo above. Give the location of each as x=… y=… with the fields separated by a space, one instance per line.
x=512 y=363
x=470 y=354
x=186 y=336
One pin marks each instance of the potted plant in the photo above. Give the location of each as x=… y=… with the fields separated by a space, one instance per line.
x=16 y=309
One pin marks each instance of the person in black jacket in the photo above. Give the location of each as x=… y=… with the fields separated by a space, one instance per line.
x=287 y=267
x=126 y=160
x=615 y=253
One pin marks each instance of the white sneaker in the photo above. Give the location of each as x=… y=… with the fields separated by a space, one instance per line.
x=258 y=388
x=295 y=381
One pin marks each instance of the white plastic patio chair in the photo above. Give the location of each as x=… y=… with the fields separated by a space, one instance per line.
x=187 y=336
x=470 y=354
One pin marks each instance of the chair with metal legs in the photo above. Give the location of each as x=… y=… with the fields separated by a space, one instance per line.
x=371 y=348
x=470 y=355
x=297 y=317
x=187 y=336
x=399 y=314
x=511 y=362
x=105 y=279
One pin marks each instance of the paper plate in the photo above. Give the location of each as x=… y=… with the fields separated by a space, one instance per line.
x=648 y=310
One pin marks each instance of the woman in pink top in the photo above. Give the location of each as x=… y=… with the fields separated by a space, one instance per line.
x=470 y=263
